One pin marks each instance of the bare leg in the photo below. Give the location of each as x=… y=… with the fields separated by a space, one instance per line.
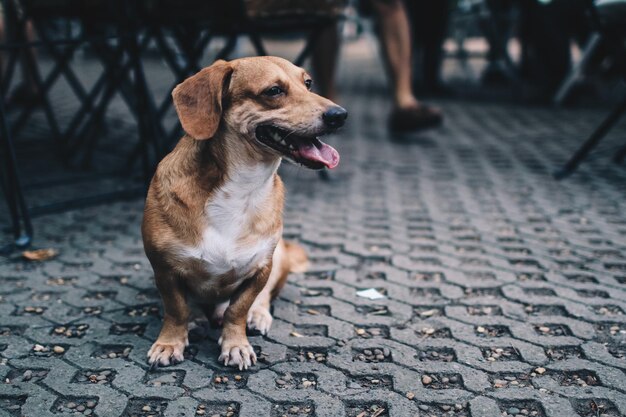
x=395 y=40
x=173 y=337
x=325 y=62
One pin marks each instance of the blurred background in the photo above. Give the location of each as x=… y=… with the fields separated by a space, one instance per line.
x=87 y=114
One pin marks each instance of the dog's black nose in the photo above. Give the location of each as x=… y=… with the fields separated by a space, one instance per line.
x=335 y=116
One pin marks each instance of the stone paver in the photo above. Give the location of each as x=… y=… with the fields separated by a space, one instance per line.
x=506 y=290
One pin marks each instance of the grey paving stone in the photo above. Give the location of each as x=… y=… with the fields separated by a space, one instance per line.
x=461 y=228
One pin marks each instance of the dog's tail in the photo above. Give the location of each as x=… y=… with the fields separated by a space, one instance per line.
x=296 y=256
x=288 y=257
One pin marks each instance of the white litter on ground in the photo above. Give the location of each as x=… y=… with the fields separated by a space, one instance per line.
x=371 y=293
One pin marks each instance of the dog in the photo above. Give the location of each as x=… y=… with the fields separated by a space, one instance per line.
x=212 y=226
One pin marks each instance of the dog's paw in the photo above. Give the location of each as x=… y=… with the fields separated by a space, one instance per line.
x=164 y=354
x=259 y=318
x=237 y=353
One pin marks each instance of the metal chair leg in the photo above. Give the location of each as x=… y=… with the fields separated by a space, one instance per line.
x=576 y=72
x=122 y=84
x=111 y=78
x=43 y=98
x=192 y=56
x=22 y=226
x=592 y=142
x=324 y=175
x=116 y=70
x=6 y=181
x=228 y=48
x=620 y=155
x=7 y=75
x=62 y=61
x=257 y=43
x=310 y=45
x=46 y=85
x=145 y=107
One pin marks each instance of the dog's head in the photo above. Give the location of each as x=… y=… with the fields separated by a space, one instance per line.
x=265 y=101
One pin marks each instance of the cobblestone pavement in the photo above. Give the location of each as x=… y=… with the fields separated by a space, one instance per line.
x=505 y=290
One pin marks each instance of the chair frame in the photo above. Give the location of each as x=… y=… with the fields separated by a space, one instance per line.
x=78 y=141
x=110 y=79
x=614 y=116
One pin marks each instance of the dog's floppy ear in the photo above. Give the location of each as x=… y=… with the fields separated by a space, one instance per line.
x=198 y=100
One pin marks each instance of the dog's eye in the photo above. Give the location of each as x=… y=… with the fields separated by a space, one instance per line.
x=308 y=83
x=273 y=91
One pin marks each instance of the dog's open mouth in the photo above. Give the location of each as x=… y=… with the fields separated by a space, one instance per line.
x=308 y=151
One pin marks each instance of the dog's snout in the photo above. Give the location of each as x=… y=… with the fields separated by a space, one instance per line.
x=335 y=116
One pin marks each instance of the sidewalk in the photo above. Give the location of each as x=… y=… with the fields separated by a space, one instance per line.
x=505 y=290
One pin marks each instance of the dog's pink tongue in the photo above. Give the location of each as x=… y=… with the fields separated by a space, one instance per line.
x=321 y=152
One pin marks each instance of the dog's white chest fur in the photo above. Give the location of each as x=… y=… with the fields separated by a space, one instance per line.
x=227 y=244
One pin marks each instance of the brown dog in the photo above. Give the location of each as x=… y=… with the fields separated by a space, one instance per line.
x=213 y=218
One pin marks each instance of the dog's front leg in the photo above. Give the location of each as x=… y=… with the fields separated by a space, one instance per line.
x=236 y=350
x=170 y=345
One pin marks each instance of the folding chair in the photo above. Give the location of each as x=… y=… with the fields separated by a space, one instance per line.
x=209 y=19
x=127 y=29
x=120 y=61
x=609 y=17
x=15 y=22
